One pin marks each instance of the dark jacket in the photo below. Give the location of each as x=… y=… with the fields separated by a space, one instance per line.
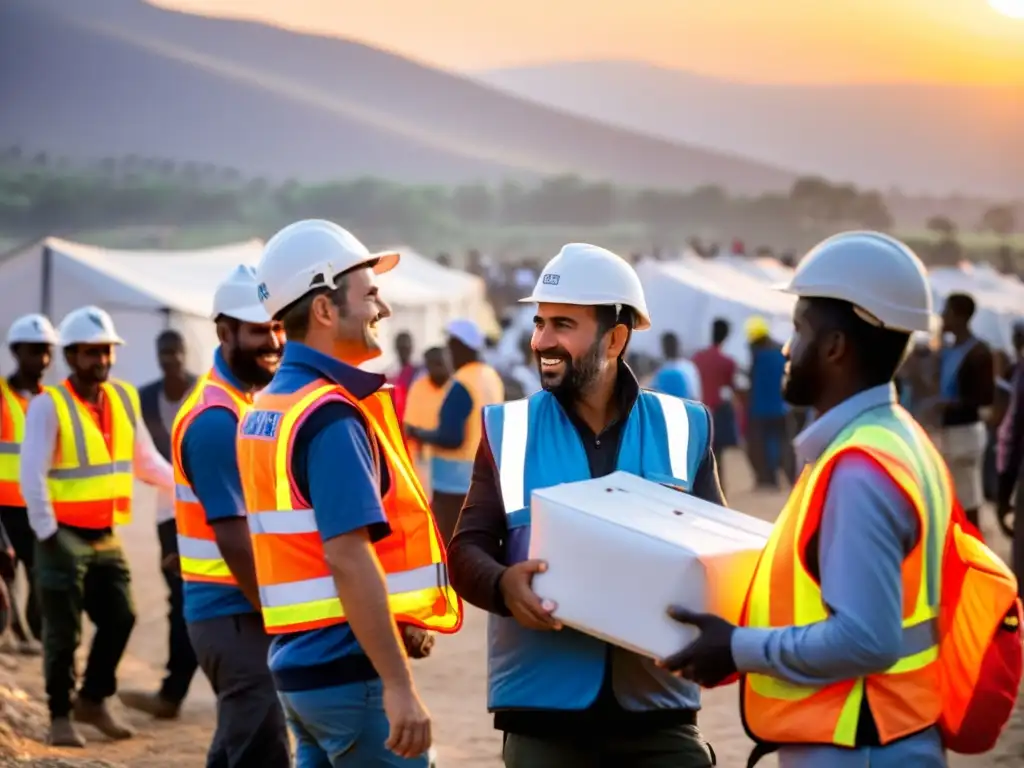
x=149 y=402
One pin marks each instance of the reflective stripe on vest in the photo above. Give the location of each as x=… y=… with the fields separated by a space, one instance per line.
x=199 y=556
x=90 y=484
x=297 y=589
x=12 y=433
x=905 y=698
x=451 y=469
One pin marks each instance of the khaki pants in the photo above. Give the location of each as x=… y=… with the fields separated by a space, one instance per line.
x=963 y=448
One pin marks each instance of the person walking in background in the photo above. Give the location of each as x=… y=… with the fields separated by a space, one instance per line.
x=454 y=442
x=767 y=433
x=31 y=340
x=718 y=385
x=222 y=598
x=402 y=378
x=85 y=444
x=560 y=697
x=966 y=386
x=350 y=567
x=423 y=406
x=160 y=401
x=677 y=376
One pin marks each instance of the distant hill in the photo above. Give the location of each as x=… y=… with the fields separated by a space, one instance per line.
x=92 y=78
x=924 y=139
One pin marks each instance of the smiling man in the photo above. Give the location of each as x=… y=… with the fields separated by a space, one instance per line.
x=214 y=552
x=563 y=698
x=348 y=560
x=84 y=445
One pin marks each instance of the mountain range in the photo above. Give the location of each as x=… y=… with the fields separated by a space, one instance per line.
x=88 y=79
x=930 y=139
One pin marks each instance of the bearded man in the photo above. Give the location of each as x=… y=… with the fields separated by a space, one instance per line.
x=562 y=698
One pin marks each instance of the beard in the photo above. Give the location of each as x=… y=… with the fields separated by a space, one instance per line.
x=248 y=368
x=575 y=376
x=801 y=382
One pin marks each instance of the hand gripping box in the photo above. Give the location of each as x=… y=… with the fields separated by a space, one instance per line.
x=621 y=550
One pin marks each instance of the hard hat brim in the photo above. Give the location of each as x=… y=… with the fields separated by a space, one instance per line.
x=386 y=261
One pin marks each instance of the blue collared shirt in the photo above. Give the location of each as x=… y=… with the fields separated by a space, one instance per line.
x=210 y=462
x=867 y=527
x=335 y=469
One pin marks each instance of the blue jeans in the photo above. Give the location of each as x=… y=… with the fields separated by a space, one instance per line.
x=342 y=727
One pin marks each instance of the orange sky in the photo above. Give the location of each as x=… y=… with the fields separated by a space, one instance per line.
x=798 y=41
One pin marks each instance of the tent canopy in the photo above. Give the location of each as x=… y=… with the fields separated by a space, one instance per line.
x=149 y=291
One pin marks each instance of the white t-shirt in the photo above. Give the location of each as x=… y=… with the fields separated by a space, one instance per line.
x=168 y=411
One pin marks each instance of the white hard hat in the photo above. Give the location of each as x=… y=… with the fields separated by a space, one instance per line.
x=238 y=296
x=878 y=274
x=32 y=329
x=307 y=255
x=88 y=325
x=591 y=276
x=468 y=333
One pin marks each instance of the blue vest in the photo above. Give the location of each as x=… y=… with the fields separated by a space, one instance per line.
x=535 y=445
x=950 y=360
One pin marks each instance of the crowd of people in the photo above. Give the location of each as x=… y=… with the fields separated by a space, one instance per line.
x=317 y=527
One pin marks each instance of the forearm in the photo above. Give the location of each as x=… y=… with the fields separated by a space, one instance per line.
x=475 y=571
x=814 y=655
x=236 y=548
x=361 y=585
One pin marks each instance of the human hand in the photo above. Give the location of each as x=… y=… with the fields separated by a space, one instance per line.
x=708 y=660
x=418 y=642
x=172 y=563
x=409 y=721
x=528 y=609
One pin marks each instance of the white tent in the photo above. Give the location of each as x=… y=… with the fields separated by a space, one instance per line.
x=148 y=291
x=688 y=295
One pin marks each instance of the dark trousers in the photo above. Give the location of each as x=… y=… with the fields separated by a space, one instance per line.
x=447 y=507
x=181 y=659
x=23 y=541
x=1017 y=547
x=770 y=450
x=678 y=747
x=251 y=730
x=74 y=576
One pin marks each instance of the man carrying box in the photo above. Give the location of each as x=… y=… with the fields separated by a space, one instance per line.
x=563 y=698
x=838 y=650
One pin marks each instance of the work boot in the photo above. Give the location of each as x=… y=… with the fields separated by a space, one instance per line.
x=98 y=716
x=151 y=703
x=63 y=734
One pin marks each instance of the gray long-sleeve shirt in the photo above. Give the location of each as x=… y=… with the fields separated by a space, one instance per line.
x=867 y=528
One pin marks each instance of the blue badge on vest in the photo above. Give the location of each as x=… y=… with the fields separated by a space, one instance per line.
x=262 y=425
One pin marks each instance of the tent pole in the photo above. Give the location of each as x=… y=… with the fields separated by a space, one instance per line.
x=46 y=282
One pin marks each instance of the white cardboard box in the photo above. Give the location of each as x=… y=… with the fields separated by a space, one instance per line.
x=621 y=550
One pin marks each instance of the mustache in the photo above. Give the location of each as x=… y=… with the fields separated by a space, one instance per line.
x=557 y=352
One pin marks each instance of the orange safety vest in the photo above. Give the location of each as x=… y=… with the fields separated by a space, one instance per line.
x=91 y=477
x=199 y=556
x=904 y=699
x=452 y=468
x=12 y=432
x=297 y=589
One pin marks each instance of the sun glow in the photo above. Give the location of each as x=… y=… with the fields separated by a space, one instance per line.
x=1012 y=8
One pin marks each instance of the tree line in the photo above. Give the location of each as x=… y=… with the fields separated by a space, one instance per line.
x=40 y=195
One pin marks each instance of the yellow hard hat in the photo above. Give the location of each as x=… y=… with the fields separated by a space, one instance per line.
x=756 y=328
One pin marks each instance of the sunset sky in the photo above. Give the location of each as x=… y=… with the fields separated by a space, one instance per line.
x=792 y=41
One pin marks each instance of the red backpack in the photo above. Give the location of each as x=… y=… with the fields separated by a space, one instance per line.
x=981 y=652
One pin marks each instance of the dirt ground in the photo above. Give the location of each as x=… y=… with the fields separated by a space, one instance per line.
x=452 y=682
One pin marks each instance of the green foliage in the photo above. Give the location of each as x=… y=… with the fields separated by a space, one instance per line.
x=41 y=195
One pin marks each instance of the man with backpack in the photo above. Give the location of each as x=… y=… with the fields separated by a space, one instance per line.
x=844 y=653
